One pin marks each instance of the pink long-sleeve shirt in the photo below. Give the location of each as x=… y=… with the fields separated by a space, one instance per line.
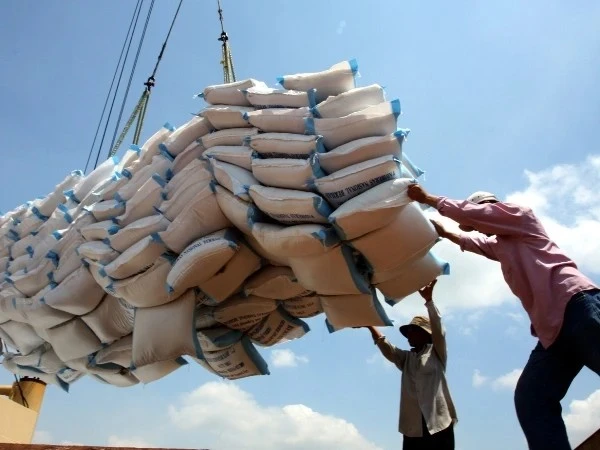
x=534 y=267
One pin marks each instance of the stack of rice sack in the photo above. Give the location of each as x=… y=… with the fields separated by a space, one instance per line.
x=268 y=207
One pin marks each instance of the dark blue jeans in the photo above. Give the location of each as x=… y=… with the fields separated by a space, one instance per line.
x=549 y=373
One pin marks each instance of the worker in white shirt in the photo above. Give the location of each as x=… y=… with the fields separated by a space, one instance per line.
x=427 y=413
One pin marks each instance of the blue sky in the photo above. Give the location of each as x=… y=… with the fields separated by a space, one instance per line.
x=501 y=96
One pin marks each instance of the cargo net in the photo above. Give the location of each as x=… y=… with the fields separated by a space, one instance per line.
x=268 y=207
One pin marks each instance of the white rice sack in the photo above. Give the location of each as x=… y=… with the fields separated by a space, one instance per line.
x=217 y=338
x=143 y=202
x=341 y=186
x=32 y=281
x=96 y=270
x=290 y=206
x=156 y=371
x=185 y=135
x=116 y=184
x=303 y=307
x=240 y=156
x=337 y=79
x=97 y=251
x=99 y=230
x=267 y=256
x=174 y=206
x=277 y=283
x=83 y=219
x=119 y=379
x=407 y=238
x=196 y=171
x=345 y=311
x=224 y=116
x=231 y=136
x=73 y=340
x=410 y=278
x=378 y=120
x=285 y=145
x=295 y=240
x=347 y=103
x=20 y=336
x=32 y=311
x=233 y=178
x=333 y=272
x=230 y=93
x=29 y=224
x=4 y=263
x=136 y=231
x=107 y=209
x=19 y=248
x=277 y=328
x=132 y=154
x=372 y=209
x=239 y=360
x=85 y=186
x=177 y=335
x=265 y=97
x=279 y=120
x=44 y=358
x=204 y=315
x=191 y=153
x=161 y=166
x=65 y=259
x=362 y=150
x=238 y=212
x=232 y=276
x=119 y=352
x=202 y=259
x=99 y=192
x=200 y=217
x=243 y=313
x=298 y=174
x=136 y=258
x=78 y=294
x=47 y=206
x=19 y=264
x=150 y=149
x=147 y=289
x=111 y=320
x=24 y=371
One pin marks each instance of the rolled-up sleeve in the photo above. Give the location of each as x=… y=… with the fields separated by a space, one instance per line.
x=391 y=352
x=438 y=334
x=491 y=218
x=478 y=243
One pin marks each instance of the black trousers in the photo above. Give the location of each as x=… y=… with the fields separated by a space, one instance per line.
x=442 y=440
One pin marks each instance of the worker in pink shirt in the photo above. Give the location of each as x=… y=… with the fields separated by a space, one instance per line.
x=562 y=303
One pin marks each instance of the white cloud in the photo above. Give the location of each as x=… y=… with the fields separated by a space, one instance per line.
x=286 y=358
x=504 y=382
x=478 y=379
x=223 y=411
x=583 y=417
x=42 y=437
x=564 y=198
x=117 y=441
x=341 y=26
x=507 y=381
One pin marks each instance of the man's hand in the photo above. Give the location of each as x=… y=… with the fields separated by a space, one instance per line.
x=427 y=291
x=418 y=194
x=439 y=228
